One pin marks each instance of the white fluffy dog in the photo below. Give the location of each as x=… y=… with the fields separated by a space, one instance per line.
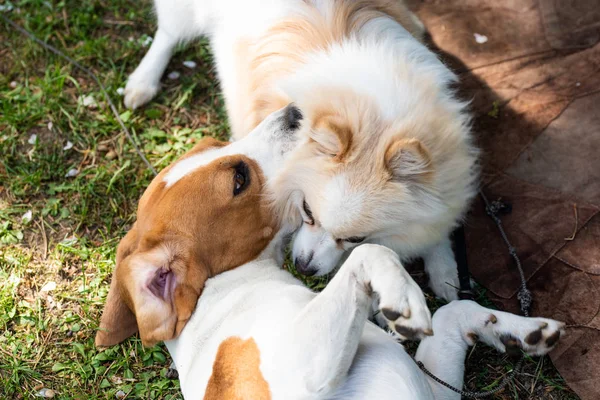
x=387 y=155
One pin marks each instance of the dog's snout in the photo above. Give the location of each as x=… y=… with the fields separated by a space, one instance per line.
x=292 y=117
x=303 y=266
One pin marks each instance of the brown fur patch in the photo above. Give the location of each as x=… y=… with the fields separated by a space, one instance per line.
x=194 y=229
x=236 y=372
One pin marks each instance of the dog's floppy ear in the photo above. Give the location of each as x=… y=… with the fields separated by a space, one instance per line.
x=408 y=161
x=332 y=136
x=163 y=315
x=118 y=322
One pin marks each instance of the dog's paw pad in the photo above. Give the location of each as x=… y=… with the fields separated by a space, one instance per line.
x=393 y=315
x=553 y=339
x=536 y=336
x=512 y=345
x=412 y=333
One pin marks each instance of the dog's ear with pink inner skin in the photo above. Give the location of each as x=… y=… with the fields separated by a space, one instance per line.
x=118 y=322
x=408 y=160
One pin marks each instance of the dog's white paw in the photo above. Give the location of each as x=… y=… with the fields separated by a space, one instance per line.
x=401 y=300
x=534 y=336
x=139 y=92
x=507 y=332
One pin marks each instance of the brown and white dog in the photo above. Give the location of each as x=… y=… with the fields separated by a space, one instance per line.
x=200 y=270
x=388 y=157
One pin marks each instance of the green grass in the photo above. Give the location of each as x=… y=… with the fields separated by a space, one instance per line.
x=55 y=267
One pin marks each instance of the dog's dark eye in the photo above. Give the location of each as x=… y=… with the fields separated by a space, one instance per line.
x=355 y=239
x=241 y=178
x=308 y=212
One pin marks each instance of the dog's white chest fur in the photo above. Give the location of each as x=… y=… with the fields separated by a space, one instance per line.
x=248 y=302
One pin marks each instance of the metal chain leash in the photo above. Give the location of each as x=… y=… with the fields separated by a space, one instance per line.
x=475 y=395
x=494 y=210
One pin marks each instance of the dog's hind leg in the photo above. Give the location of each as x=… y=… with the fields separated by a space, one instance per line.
x=314 y=353
x=460 y=324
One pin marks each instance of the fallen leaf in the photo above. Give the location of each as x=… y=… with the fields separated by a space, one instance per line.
x=87 y=101
x=72 y=172
x=190 y=64
x=25 y=218
x=46 y=393
x=48 y=287
x=480 y=38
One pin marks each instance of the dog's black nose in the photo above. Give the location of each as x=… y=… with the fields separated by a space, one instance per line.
x=292 y=116
x=303 y=266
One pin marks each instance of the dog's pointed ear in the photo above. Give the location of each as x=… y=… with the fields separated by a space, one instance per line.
x=332 y=136
x=408 y=160
x=118 y=321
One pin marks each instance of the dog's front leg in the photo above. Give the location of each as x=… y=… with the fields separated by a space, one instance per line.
x=178 y=21
x=313 y=354
x=144 y=82
x=441 y=268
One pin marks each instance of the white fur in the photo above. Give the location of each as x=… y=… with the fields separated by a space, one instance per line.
x=189 y=165
x=265 y=144
x=383 y=64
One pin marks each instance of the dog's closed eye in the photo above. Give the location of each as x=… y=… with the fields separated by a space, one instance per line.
x=307 y=215
x=355 y=239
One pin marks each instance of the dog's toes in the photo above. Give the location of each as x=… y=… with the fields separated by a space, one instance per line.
x=391 y=314
x=401 y=302
x=534 y=336
x=411 y=319
x=543 y=339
